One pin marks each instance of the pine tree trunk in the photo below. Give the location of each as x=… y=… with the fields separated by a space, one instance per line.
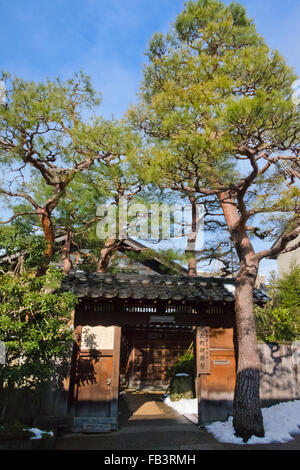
x=106 y=254
x=192 y=267
x=45 y=218
x=247 y=416
x=67 y=264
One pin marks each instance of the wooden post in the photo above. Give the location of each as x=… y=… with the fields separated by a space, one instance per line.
x=202 y=364
x=73 y=388
x=114 y=404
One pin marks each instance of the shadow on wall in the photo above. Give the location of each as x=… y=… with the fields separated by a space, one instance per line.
x=280 y=373
x=279 y=381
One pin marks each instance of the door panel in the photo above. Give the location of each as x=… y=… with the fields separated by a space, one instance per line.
x=93 y=387
x=96 y=384
x=151 y=355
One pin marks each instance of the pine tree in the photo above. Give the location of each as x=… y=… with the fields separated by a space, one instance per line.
x=288 y=287
x=216 y=108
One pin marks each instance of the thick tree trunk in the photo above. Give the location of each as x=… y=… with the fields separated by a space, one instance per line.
x=45 y=218
x=247 y=416
x=106 y=254
x=192 y=267
x=67 y=264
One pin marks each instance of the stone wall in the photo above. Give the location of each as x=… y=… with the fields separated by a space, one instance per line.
x=280 y=379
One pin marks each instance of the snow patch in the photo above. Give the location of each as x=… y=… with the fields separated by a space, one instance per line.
x=230 y=288
x=39 y=433
x=280 y=421
x=183 y=406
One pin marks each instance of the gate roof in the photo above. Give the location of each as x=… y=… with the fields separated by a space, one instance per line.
x=151 y=287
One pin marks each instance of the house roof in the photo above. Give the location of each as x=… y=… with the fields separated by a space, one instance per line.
x=151 y=287
x=156 y=263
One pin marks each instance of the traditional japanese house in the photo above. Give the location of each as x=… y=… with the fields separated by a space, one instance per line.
x=131 y=328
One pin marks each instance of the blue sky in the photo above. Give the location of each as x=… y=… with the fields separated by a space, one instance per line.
x=107 y=39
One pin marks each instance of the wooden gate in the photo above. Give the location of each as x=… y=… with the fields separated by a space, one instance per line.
x=96 y=379
x=216 y=373
x=150 y=354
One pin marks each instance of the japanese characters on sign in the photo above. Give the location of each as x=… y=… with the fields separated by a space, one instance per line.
x=203 y=359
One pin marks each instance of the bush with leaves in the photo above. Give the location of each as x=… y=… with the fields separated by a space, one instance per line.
x=184 y=365
x=14 y=431
x=275 y=324
x=288 y=287
x=279 y=320
x=24 y=249
x=35 y=327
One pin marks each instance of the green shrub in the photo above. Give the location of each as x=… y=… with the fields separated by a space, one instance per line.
x=289 y=292
x=14 y=431
x=275 y=324
x=184 y=365
x=182 y=387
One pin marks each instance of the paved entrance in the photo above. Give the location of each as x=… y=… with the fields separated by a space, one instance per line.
x=146 y=423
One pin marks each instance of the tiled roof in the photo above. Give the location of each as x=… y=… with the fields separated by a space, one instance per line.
x=151 y=287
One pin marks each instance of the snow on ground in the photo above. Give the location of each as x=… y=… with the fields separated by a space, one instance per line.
x=183 y=406
x=280 y=422
x=39 y=433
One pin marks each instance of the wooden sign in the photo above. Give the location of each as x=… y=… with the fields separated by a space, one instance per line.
x=203 y=356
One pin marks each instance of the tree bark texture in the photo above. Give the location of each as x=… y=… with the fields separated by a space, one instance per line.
x=247 y=416
x=47 y=226
x=67 y=264
x=192 y=267
x=106 y=254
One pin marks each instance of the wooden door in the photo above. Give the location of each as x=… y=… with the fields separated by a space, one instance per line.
x=93 y=385
x=151 y=355
x=96 y=384
x=216 y=373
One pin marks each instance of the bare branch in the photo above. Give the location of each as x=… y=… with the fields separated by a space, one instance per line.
x=15 y=216
x=281 y=245
x=21 y=195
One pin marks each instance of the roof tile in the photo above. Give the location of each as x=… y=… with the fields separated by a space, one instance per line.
x=164 y=287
